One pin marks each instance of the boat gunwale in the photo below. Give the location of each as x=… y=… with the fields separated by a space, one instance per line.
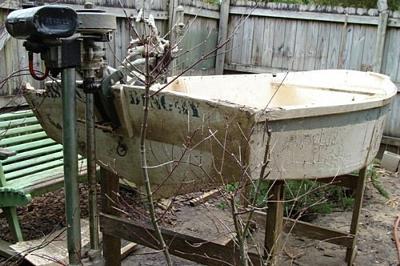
x=293 y=111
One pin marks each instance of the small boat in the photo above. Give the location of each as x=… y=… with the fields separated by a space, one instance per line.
x=204 y=131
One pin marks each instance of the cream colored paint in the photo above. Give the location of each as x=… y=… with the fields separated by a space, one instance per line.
x=215 y=127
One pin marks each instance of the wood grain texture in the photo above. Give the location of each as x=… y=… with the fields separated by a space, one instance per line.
x=184 y=246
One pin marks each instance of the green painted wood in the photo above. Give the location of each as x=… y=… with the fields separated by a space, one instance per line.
x=2 y=177
x=11 y=197
x=51 y=184
x=16 y=115
x=27 y=181
x=18 y=122
x=8 y=169
x=22 y=139
x=13 y=223
x=33 y=145
x=19 y=130
x=34 y=169
x=28 y=154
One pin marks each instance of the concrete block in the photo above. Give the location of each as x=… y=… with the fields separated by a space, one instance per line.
x=390 y=161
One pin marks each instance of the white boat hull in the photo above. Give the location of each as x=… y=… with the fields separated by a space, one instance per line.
x=196 y=140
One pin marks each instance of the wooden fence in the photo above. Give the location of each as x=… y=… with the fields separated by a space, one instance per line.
x=264 y=37
x=270 y=37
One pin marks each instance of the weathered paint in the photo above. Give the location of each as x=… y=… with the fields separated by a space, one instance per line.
x=203 y=130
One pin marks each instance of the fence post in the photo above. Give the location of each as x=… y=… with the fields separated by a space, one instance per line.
x=171 y=14
x=222 y=35
x=381 y=35
x=177 y=34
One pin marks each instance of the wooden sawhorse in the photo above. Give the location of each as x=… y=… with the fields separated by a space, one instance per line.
x=209 y=253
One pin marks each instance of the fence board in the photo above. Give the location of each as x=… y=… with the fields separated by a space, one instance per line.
x=323 y=46
x=258 y=38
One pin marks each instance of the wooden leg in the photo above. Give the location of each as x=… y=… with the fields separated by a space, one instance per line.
x=109 y=189
x=13 y=223
x=351 y=251
x=274 y=222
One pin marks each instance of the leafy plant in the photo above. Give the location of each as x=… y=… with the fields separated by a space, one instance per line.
x=375 y=176
x=307 y=197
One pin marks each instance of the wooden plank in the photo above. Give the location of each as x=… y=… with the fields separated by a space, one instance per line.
x=18 y=122
x=334 y=45
x=19 y=130
x=347 y=46
x=308 y=230
x=369 y=47
x=22 y=138
x=6 y=251
x=301 y=41
x=268 y=42
x=391 y=141
x=357 y=48
x=35 y=168
x=237 y=42
x=274 y=222
x=278 y=43
x=13 y=223
x=111 y=242
x=289 y=45
x=247 y=41
x=222 y=36
x=232 y=22
x=15 y=115
x=120 y=12
x=349 y=181
x=128 y=249
x=311 y=231
x=311 y=46
x=258 y=38
x=184 y=246
x=309 y=16
x=172 y=5
x=359 y=195
x=323 y=46
x=390 y=64
x=201 y=12
x=204 y=197
x=32 y=146
x=380 y=40
x=28 y=154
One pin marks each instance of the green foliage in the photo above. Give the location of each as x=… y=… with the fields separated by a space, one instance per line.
x=232 y=187
x=309 y=197
x=222 y=205
x=376 y=182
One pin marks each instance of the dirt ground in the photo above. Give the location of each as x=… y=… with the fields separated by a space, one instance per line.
x=209 y=221
x=375 y=245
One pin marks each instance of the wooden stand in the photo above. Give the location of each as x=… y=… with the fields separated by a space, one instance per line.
x=276 y=224
x=109 y=191
x=210 y=253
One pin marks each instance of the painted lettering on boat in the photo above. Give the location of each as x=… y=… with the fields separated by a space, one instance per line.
x=161 y=102
x=53 y=91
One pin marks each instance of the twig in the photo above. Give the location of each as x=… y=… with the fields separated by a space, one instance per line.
x=146 y=178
